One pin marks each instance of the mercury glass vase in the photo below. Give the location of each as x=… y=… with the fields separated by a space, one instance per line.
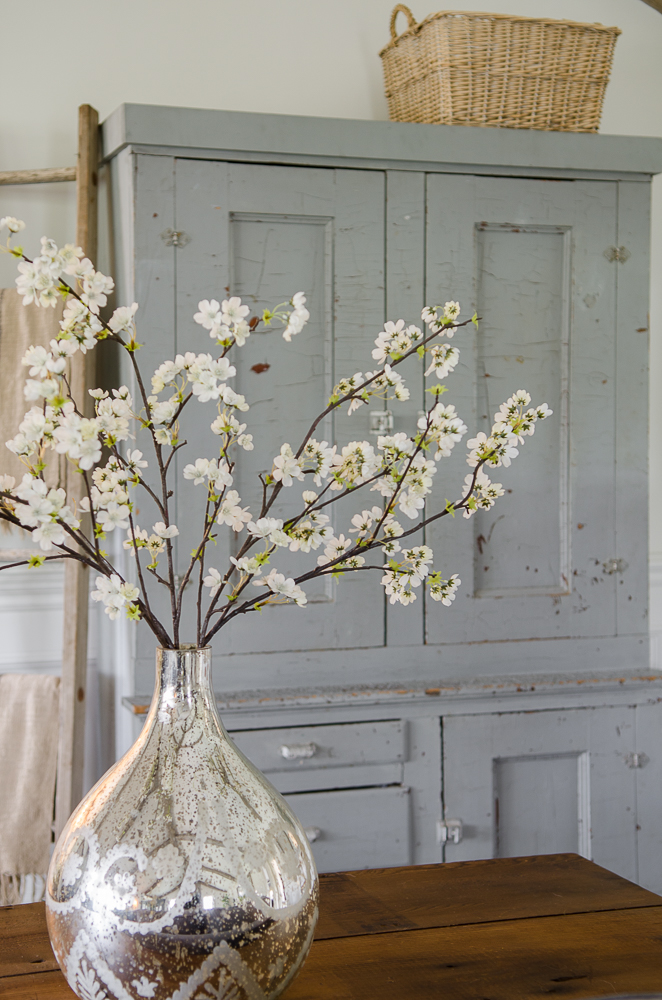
x=183 y=874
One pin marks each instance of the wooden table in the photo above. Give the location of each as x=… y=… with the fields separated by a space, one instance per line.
x=511 y=929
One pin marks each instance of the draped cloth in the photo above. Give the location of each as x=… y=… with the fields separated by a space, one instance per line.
x=21 y=327
x=29 y=726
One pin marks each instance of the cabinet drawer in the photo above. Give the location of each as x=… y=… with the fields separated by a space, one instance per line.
x=309 y=747
x=359 y=828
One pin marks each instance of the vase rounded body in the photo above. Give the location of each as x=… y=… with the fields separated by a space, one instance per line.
x=183 y=873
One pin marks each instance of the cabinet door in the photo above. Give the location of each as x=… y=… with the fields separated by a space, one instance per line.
x=543 y=783
x=264 y=233
x=528 y=256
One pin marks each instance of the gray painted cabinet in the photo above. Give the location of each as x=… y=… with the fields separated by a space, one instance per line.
x=520 y=710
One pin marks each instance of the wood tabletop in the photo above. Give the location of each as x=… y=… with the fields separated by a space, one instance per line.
x=509 y=929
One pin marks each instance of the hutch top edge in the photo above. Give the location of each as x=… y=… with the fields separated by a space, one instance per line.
x=375 y=143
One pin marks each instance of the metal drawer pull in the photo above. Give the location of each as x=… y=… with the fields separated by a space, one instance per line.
x=295 y=751
x=313 y=833
x=449 y=831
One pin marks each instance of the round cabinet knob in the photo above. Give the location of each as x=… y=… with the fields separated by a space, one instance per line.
x=298 y=751
x=313 y=833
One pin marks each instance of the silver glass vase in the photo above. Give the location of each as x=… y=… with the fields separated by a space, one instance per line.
x=183 y=874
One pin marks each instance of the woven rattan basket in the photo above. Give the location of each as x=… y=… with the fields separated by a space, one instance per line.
x=463 y=68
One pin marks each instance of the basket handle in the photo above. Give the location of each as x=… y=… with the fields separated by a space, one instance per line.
x=401 y=9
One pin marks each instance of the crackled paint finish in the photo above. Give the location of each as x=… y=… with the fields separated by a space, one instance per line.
x=183 y=874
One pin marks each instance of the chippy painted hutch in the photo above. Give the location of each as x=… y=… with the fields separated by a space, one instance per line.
x=523 y=719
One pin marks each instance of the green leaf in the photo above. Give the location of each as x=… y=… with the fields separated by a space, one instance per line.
x=437 y=390
x=35 y=561
x=450 y=508
x=474 y=320
x=16 y=251
x=133 y=612
x=421 y=351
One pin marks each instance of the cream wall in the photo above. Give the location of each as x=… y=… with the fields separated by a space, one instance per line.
x=305 y=57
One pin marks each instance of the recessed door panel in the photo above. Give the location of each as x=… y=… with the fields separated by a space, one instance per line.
x=265 y=233
x=527 y=256
x=522 y=297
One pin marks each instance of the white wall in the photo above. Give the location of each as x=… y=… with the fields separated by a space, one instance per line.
x=305 y=57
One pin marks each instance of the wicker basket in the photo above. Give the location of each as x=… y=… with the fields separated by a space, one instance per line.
x=463 y=68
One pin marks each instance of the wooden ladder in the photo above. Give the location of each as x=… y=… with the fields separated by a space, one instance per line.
x=73 y=684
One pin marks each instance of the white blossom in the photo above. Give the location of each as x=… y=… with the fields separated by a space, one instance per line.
x=269 y=528
x=309 y=533
x=282 y=586
x=77 y=437
x=213 y=580
x=61 y=351
x=162 y=411
x=444 y=590
x=286 y=467
x=114 y=593
x=163 y=436
x=334 y=547
x=49 y=534
x=47 y=389
x=122 y=319
x=320 y=456
x=356 y=463
x=197 y=471
x=362 y=522
x=232 y=311
x=134 y=460
x=484 y=493
x=96 y=288
x=114 y=516
x=410 y=572
x=298 y=318
x=444 y=358
x=12 y=224
x=444 y=427
x=162 y=531
x=249 y=565
x=209 y=313
x=79 y=325
x=231 y=512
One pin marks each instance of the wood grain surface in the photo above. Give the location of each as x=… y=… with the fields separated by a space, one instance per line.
x=478 y=930
x=572 y=956
x=468 y=892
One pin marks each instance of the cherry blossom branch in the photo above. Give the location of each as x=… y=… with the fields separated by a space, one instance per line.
x=358 y=391
x=328 y=568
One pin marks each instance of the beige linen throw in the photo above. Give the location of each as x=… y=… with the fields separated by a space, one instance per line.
x=29 y=724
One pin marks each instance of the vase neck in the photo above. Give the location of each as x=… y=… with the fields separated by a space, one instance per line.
x=183 y=680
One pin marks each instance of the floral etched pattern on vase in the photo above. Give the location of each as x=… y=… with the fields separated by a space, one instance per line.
x=183 y=873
